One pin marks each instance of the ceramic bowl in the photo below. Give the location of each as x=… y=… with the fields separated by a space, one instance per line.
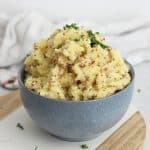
x=76 y=120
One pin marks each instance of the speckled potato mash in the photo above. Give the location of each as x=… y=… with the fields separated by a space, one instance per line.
x=75 y=63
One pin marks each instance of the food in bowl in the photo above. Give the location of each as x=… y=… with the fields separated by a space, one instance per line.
x=69 y=84
x=75 y=63
x=76 y=120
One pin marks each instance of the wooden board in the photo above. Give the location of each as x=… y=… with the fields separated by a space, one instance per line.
x=9 y=103
x=130 y=136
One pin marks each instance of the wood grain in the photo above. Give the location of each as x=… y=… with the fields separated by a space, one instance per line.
x=130 y=136
x=9 y=103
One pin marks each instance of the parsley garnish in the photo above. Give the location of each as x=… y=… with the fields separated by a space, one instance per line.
x=90 y=33
x=59 y=46
x=76 y=40
x=103 y=45
x=94 y=41
x=82 y=36
x=36 y=147
x=73 y=25
x=84 y=146
x=20 y=126
x=139 y=90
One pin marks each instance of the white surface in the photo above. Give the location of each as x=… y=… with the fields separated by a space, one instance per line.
x=12 y=138
x=78 y=8
x=142 y=81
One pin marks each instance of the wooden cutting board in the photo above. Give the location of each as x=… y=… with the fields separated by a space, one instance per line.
x=9 y=103
x=130 y=135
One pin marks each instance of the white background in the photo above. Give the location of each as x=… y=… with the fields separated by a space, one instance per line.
x=78 y=8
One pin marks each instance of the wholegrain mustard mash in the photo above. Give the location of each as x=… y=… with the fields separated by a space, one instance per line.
x=75 y=63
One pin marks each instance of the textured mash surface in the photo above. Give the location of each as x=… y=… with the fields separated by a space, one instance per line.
x=75 y=64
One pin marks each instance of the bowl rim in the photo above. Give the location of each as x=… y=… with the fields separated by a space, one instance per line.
x=131 y=70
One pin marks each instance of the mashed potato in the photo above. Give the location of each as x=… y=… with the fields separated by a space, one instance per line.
x=74 y=63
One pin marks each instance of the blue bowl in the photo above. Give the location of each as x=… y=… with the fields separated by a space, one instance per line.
x=76 y=120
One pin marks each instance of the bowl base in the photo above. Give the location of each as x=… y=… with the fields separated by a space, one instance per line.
x=80 y=139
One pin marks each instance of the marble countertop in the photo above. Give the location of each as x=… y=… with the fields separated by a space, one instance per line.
x=142 y=81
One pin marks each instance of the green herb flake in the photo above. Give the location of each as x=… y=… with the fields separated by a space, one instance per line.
x=27 y=55
x=103 y=45
x=94 y=41
x=36 y=147
x=59 y=46
x=20 y=126
x=73 y=25
x=82 y=36
x=76 y=40
x=90 y=33
x=138 y=90
x=97 y=32
x=84 y=146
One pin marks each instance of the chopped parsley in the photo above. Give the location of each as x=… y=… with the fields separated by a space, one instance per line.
x=36 y=147
x=20 y=126
x=90 y=33
x=59 y=46
x=94 y=41
x=84 y=146
x=139 y=90
x=82 y=36
x=76 y=40
x=73 y=25
x=103 y=45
